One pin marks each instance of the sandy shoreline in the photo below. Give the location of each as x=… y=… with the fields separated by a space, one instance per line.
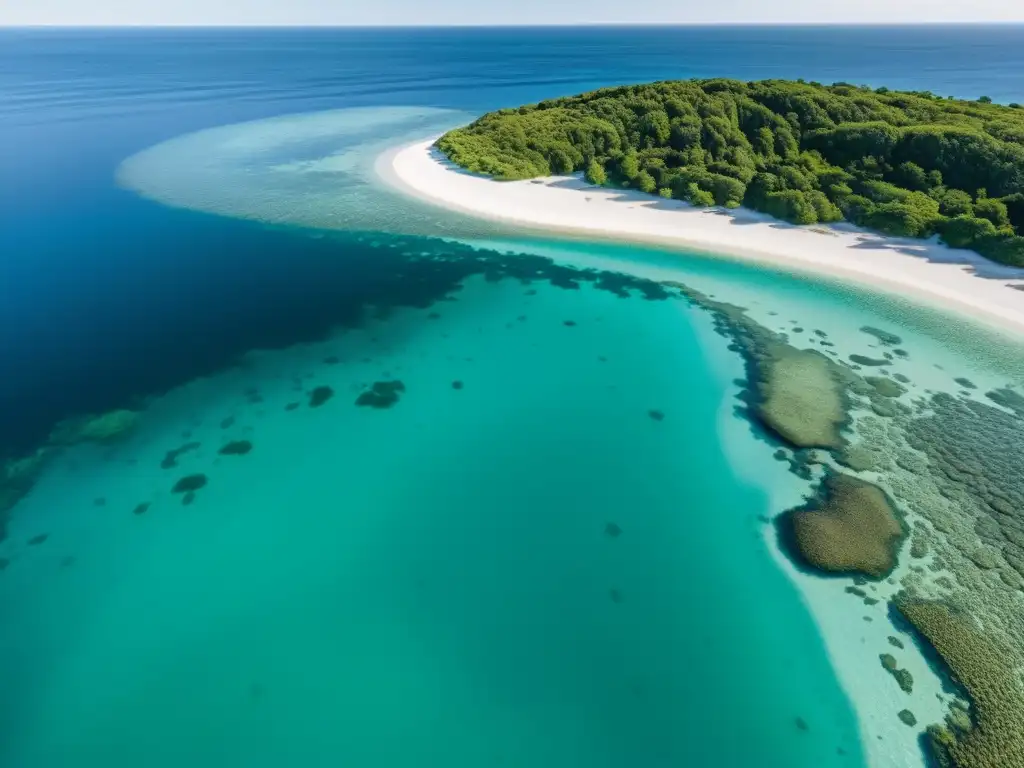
x=950 y=279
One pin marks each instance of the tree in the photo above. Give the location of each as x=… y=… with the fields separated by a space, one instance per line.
x=630 y=165
x=985 y=100
x=964 y=231
x=993 y=210
x=595 y=173
x=698 y=196
x=956 y=202
x=904 y=163
x=645 y=182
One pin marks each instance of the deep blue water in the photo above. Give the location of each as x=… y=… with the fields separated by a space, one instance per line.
x=106 y=296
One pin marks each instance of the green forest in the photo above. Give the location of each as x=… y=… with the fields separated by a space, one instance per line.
x=907 y=164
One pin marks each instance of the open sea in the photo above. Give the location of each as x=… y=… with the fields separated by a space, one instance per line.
x=461 y=505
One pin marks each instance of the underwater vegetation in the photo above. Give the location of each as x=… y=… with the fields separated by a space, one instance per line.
x=852 y=528
x=381 y=394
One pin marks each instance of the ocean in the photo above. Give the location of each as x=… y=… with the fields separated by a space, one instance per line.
x=482 y=508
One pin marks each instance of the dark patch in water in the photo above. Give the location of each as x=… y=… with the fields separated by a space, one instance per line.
x=67 y=561
x=4 y=562
x=381 y=394
x=656 y=415
x=141 y=509
x=189 y=483
x=236 y=448
x=332 y=360
x=291 y=406
x=456 y=384
x=569 y=323
x=868 y=361
x=227 y=423
x=613 y=530
x=319 y=396
x=615 y=595
x=170 y=459
x=99 y=502
x=188 y=498
x=801 y=724
x=269 y=290
x=889 y=339
x=35 y=541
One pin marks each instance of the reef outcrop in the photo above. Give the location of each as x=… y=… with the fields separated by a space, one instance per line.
x=851 y=528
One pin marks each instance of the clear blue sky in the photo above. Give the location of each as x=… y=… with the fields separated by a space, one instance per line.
x=344 y=12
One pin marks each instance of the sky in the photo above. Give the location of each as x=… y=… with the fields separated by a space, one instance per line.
x=444 y=12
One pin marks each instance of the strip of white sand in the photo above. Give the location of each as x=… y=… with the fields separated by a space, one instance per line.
x=951 y=279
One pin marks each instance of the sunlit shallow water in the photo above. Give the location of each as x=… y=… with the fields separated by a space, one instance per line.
x=476 y=575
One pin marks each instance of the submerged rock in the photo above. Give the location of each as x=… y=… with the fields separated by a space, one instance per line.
x=320 y=395
x=889 y=339
x=801 y=398
x=902 y=676
x=170 y=459
x=103 y=428
x=189 y=483
x=868 y=361
x=381 y=394
x=236 y=448
x=851 y=528
x=884 y=386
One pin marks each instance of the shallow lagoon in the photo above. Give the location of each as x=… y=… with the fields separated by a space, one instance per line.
x=475 y=575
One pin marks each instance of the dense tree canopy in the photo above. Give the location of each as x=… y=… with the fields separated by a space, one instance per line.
x=910 y=164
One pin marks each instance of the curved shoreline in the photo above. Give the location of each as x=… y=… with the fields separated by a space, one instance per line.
x=570 y=206
x=933 y=274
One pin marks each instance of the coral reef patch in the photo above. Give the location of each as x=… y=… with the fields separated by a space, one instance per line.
x=189 y=483
x=851 y=528
x=320 y=395
x=992 y=736
x=236 y=448
x=381 y=394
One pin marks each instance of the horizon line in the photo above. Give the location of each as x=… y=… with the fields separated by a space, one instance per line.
x=536 y=25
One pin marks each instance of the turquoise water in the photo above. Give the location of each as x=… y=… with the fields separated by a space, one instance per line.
x=562 y=560
x=436 y=583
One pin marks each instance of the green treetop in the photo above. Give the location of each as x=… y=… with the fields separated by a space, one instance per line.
x=909 y=164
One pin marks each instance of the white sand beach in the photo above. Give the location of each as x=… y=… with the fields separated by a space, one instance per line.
x=952 y=279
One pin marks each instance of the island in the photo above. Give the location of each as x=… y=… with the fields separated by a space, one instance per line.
x=897 y=163
x=917 y=505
